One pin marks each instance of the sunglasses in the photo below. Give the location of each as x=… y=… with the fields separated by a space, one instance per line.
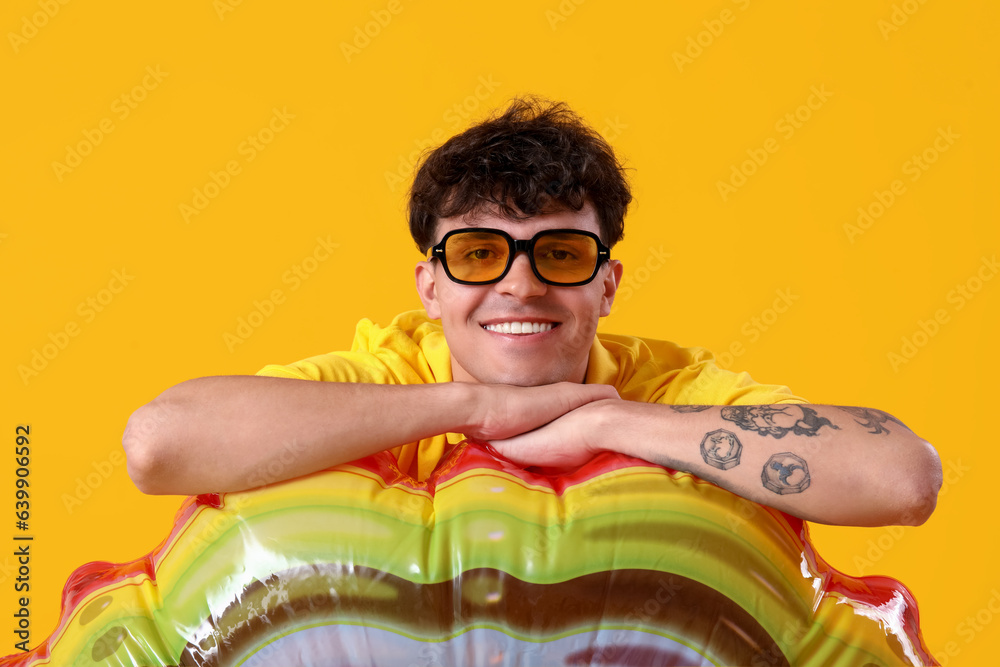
x=565 y=257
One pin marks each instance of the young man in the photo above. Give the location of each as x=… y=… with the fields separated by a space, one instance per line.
x=518 y=214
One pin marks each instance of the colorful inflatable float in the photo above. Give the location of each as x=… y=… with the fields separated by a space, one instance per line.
x=618 y=563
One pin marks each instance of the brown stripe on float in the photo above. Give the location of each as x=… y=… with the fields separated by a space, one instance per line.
x=666 y=603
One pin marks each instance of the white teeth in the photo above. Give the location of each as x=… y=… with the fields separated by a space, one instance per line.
x=519 y=327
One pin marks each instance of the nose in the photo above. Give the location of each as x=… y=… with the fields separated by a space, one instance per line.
x=521 y=282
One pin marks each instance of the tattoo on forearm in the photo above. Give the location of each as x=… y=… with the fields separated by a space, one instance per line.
x=872 y=419
x=689 y=408
x=785 y=473
x=777 y=421
x=721 y=449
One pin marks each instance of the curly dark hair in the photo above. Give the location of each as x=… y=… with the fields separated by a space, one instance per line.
x=535 y=156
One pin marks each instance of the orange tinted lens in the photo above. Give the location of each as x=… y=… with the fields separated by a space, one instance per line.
x=476 y=256
x=566 y=257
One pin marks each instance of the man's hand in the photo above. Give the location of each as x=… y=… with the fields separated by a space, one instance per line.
x=566 y=442
x=500 y=412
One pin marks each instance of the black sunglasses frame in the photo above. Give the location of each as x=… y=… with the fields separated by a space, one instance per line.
x=518 y=245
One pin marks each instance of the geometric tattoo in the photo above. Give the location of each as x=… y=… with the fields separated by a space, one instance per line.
x=785 y=473
x=776 y=421
x=689 y=408
x=872 y=419
x=721 y=449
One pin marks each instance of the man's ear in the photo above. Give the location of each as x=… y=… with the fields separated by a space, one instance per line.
x=612 y=279
x=426 y=278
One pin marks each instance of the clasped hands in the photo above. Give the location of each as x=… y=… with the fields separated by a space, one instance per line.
x=551 y=426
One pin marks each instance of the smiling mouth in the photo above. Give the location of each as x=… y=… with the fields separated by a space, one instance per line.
x=521 y=328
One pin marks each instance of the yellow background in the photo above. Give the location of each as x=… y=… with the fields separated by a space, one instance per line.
x=338 y=170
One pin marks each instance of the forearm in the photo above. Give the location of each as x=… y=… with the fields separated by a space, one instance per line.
x=235 y=432
x=848 y=466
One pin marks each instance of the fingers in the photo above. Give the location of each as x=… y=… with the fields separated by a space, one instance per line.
x=550 y=402
x=560 y=443
x=581 y=394
x=505 y=411
x=603 y=391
